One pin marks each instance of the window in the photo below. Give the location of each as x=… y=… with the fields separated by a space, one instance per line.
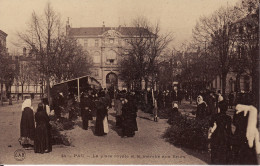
x=85 y=42
x=96 y=57
x=111 y=57
x=96 y=43
x=95 y=72
x=111 y=41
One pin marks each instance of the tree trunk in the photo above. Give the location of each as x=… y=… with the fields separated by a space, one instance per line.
x=10 y=96
x=2 y=94
x=223 y=79
x=22 y=91
x=238 y=82
x=255 y=88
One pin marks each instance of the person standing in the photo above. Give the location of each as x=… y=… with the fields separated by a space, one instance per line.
x=27 y=126
x=220 y=135
x=231 y=99
x=129 y=115
x=173 y=113
x=101 y=106
x=42 y=143
x=211 y=104
x=201 y=108
x=86 y=106
x=155 y=111
x=118 y=109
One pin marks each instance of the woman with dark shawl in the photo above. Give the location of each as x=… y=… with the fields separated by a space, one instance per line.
x=220 y=129
x=101 y=106
x=42 y=143
x=201 y=108
x=27 y=128
x=129 y=110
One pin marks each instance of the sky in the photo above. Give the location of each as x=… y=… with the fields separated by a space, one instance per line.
x=176 y=16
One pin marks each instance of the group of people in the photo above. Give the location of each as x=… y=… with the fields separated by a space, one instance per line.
x=229 y=147
x=99 y=103
x=35 y=129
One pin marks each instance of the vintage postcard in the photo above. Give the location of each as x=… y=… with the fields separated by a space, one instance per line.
x=143 y=82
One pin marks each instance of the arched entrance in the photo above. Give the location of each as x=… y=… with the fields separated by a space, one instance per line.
x=111 y=81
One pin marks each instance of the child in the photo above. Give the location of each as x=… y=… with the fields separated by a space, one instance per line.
x=173 y=112
x=155 y=111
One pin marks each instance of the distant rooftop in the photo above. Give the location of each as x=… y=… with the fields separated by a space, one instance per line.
x=95 y=31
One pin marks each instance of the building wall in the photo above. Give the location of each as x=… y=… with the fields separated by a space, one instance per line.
x=104 y=51
x=245 y=83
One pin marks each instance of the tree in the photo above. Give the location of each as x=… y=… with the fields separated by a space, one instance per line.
x=41 y=32
x=216 y=30
x=69 y=60
x=58 y=58
x=7 y=71
x=145 y=44
x=247 y=37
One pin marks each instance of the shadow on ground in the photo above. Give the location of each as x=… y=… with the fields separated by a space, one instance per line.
x=115 y=128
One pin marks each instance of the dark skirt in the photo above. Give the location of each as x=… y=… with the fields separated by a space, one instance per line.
x=27 y=128
x=42 y=142
x=129 y=127
x=118 y=121
x=99 y=128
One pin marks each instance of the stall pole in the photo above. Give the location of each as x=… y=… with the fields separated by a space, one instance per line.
x=78 y=91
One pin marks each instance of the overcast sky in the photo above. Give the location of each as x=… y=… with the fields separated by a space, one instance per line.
x=177 y=16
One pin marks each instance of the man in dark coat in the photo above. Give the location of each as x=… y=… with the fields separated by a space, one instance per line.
x=86 y=106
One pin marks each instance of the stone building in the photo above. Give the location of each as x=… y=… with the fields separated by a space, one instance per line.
x=104 y=45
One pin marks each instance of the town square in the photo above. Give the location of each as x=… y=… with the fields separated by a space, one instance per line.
x=129 y=82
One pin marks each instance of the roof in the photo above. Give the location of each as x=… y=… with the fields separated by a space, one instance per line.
x=95 y=31
x=3 y=33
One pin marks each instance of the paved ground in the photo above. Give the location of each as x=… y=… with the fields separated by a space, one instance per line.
x=147 y=147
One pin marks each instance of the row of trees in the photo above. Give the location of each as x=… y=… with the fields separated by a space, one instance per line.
x=226 y=41
x=57 y=56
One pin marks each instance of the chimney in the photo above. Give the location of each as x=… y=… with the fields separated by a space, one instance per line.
x=103 y=27
x=24 y=52
x=68 y=26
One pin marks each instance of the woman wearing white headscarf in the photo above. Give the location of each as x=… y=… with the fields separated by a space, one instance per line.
x=27 y=126
x=201 y=108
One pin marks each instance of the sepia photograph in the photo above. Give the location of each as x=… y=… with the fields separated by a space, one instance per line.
x=129 y=82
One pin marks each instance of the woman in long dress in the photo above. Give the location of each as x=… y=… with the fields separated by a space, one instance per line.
x=220 y=140
x=42 y=143
x=118 y=109
x=101 y=115
x=129 y=114
x=27 y=128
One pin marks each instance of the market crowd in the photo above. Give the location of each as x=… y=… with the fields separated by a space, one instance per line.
x=35 y=128
x=242 y=145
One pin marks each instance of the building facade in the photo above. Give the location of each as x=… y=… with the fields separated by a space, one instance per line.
x=3 y=36
x=104 y=45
